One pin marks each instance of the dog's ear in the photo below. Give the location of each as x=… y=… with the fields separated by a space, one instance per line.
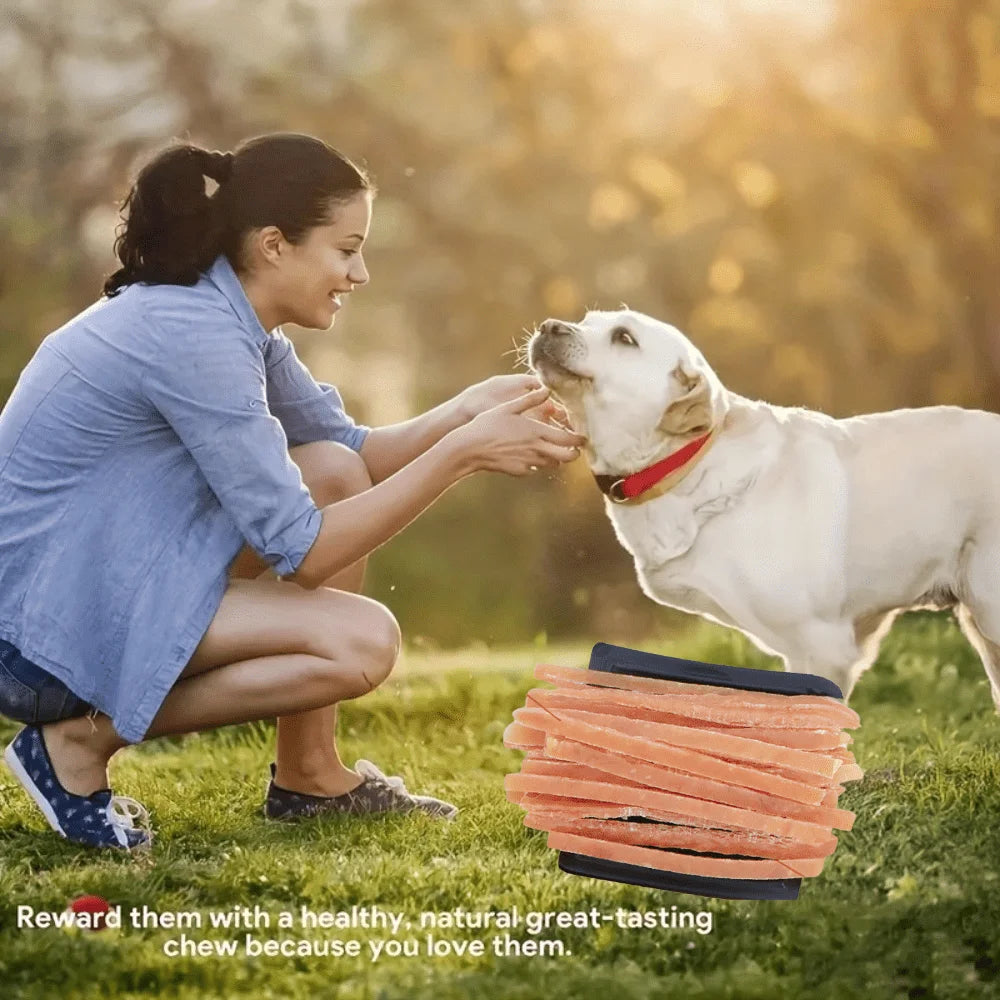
x=693 y=411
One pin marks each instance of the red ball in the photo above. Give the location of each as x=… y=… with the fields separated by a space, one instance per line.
x=96 y=905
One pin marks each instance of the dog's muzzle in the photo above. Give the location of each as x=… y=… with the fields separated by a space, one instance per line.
x=556 y=346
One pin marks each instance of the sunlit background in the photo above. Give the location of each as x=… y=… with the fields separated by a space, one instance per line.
x=810 y=190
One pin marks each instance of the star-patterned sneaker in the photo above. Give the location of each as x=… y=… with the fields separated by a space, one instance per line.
x=98 y=820
x=377 y=793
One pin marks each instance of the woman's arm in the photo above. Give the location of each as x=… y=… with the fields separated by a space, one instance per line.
x=306 y=409
x=387 y=449
x=502 y=439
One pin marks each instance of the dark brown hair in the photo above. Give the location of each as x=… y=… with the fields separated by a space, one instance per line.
x=172 y=228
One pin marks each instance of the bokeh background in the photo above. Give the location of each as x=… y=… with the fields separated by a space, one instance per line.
x=809 y=189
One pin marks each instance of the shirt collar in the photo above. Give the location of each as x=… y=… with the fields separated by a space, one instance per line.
x=222 y=275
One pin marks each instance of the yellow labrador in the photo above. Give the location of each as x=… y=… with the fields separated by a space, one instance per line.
x=806 y=533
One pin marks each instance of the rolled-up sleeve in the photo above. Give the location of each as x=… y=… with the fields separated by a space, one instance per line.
x=208 y=382
x=308 y=410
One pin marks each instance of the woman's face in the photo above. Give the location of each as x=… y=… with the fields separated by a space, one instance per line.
x=325 y=266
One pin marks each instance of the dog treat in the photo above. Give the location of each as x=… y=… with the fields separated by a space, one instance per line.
x=802 y=739
x=680 y=783
x=703 y=767
x=686 y=838
x=586 y=808
x=564 y=676
x=636 y=795
x=629 y=769
x=688 y=864
x=849 y=772
x=680 y=759
x=553 y=768
x=622 y=768
x=518 y=736
x=712 y=742
x=571 y=809
x=728 y=711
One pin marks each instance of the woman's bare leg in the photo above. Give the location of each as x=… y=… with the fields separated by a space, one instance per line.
x=271 y=649
x=306 y=754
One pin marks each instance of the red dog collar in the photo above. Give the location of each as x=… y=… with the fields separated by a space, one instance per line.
x=622 y=489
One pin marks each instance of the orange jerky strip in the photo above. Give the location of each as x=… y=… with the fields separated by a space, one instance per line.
x=739 y=748
x=572 y=676
x=586 y=808
x=518 y=736
x=621 y=767
x=678 y=758
x=643 y=798
x=722 y=711
x=840 y=818
x=818 y=780
x=588 y=763
x=802 y=739
x=686 y=864
x=613 y=810
x=575 y=808
x=559 y=768
x=849 y=772
x=685 y=838
x=832 y=796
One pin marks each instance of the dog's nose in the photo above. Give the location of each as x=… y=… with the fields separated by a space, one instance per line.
x=555 y=328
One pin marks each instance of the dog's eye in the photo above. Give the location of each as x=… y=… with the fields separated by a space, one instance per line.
x=620 y=335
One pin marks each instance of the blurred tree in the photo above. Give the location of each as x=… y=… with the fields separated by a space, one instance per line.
x=907 y=97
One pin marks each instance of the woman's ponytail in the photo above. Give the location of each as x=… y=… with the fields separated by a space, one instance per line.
x=171 y=229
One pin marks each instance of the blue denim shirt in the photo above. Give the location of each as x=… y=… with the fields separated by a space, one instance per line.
x=145 y=442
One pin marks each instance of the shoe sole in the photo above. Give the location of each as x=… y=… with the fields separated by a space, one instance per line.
x=416 y=806
x=14 y=763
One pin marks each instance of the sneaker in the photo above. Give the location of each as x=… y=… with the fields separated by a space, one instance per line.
x=97 y=820
x=377 y=793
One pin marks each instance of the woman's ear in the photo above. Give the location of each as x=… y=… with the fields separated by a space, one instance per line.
x=693 y=411
x=268 y=244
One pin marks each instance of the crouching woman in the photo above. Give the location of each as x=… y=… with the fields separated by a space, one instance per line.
x=185 y=512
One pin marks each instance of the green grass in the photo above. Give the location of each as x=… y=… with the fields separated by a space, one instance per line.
x=907 y=907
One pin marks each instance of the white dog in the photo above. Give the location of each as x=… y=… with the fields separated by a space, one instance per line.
x=808 y=534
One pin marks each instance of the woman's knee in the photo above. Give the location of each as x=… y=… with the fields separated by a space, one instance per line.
x=361 y=651
x=376 y=643
x=330 y=471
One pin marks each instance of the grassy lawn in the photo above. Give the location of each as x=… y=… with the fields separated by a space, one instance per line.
x=908 y=906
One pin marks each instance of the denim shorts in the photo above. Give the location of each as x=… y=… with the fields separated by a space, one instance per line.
x=30 y=694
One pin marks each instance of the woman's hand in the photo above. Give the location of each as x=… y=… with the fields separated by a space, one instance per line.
x=507 y=438
x=501 y=389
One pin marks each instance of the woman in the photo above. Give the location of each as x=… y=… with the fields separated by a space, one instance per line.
x=165 y=448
